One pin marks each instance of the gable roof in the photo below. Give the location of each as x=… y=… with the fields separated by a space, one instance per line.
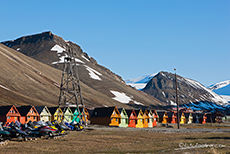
x=161 y=113
x=52 y=110
x=186 y=115
x=170 y=114
x=102 y=112
x=130 y=111
x=73 y=109
x=24 y=110
x=39 y=108
x=5 y=109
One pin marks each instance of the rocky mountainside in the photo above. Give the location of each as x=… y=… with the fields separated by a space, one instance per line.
x=162 y=86
x=100 y=86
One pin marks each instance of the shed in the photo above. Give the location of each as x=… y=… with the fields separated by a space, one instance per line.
x=132 y=118
x=124 y=118
x=44 y=113
x=56 y=113
x=109 y=116
x=140 y=119
x=28 y=113
x=9 y=114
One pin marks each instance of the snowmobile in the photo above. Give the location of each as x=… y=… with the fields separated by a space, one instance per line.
x=15 y=132
x=35 y=129
x=77 y=126
x=4 y=135
x=68 y=125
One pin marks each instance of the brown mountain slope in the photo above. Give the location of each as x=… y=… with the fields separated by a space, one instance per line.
x=26 y=81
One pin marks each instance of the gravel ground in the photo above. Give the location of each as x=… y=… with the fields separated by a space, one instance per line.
x=161 y=129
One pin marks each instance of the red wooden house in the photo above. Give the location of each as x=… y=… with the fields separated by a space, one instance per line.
x=132 y=118
x=9 y=114
x=28 y=113
x=155 y=118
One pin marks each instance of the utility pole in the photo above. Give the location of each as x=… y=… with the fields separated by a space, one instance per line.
x=177 y=101
x=70 y=91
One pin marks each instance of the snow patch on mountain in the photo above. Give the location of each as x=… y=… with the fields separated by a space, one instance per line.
x=123 y=98
x=140 y=82
x=85 y=58
x=219 y=85
x=4 y=87
x=93 y=73
x=226 y=97
x=58 y=49
x=30 y=77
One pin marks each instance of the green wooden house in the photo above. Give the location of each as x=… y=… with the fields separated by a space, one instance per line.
x=124 y=118
x=67 y=114
x=76 y=114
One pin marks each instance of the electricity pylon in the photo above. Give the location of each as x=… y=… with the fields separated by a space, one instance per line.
x=70 y=90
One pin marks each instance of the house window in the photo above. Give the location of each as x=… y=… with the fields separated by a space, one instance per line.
x=114 y=112
x=8 y=117
x=116 y=119
x=34 y=118
x=28 y=116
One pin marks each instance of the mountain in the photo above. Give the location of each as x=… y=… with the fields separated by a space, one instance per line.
x=222 y=89
x=141 y=82
x=162 y=86
x=36 y=76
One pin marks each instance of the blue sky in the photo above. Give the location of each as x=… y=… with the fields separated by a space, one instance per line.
x=132 y=37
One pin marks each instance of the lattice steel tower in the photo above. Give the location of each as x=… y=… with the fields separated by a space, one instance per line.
x=70 y=90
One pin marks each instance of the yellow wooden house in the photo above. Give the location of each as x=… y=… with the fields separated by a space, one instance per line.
x=56 y=113
x=140 y=119
x=182 y=118
x=165 y=118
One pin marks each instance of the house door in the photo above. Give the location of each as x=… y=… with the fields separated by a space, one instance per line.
x=124 y=121
x=45 y=118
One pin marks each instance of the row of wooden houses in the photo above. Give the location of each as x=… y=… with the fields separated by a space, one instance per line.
x=24 y=114
x=112 y=116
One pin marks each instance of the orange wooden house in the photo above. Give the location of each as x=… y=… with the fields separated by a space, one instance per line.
x=146 y=119
x=9 y=114
x=28 y=113
x=86 y=114
x=109 y=116
x=132 y=118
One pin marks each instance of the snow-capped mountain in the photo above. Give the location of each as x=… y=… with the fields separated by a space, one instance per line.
x=222 y=89
x=100 y=86
x=162 y=86
x=141 y=82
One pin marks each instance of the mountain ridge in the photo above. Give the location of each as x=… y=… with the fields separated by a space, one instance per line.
x=97 y=80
